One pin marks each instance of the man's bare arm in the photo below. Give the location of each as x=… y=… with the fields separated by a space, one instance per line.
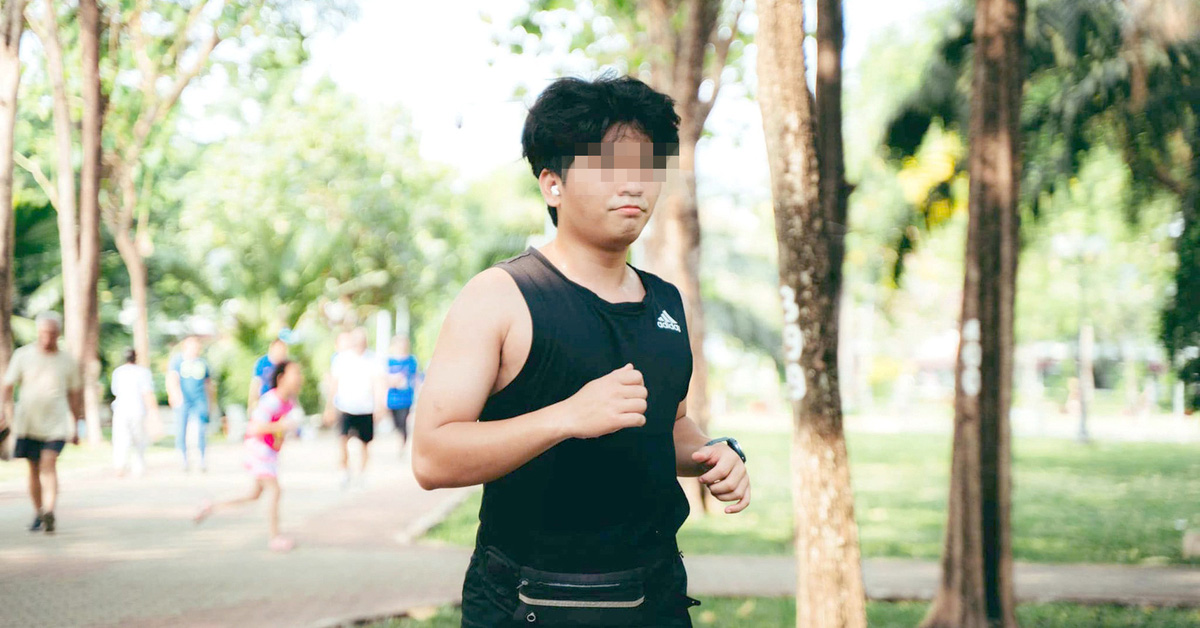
x=688 y=440
x=75 y=401
x=174 y=390
x=6 y=395
x=717 y=466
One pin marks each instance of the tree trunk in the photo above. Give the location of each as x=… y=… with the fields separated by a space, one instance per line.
x=673 y=251
x=74 y=317
x=673 y=243
x=829 y=588
x=834 y=192
x=89 y=214
x=976 y=589
x=12 y=24
x=135 y=264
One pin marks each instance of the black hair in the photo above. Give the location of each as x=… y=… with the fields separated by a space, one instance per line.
x=130 y=356
x=574 y=114
x=277 y=372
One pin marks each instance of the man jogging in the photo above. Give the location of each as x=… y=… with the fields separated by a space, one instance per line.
x=357 y=398
x=559 y=383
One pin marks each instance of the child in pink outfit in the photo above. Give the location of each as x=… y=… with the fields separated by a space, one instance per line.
x=264 y=437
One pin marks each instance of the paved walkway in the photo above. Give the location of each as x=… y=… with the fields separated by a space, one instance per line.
x=127 y=553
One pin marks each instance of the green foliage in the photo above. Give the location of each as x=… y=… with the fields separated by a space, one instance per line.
x=617 y=34
x=323 y=205
x=1088 y=86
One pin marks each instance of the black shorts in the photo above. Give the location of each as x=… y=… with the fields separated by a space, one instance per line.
x=400 y=419
x=489 y=598
x=31 y=448
x=359 y=425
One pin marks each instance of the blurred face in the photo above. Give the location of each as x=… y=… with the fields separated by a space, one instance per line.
x=47 y=335
x=191 y=348
x=358 y=341
x=278 y=352
x=292 y=378
x=608 y=194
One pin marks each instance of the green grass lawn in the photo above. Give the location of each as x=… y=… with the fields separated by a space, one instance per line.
x=1104 y=503
x=772 y=612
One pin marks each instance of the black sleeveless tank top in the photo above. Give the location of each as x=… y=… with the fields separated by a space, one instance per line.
x=591 y=505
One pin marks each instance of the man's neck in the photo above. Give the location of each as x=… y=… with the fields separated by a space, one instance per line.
x=51 y=349
x=588 y=265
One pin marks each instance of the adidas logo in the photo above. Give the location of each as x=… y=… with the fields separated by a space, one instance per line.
x=666 y=322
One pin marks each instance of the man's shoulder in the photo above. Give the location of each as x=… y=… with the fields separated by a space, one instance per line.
x=491 y=287
x=488 y=302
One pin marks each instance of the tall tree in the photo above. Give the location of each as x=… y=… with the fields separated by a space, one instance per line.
x=804 y=148
x=679 y=63
x=976 y=589
x=78 y=219
x=92 y=121
x=165 y=63
x=12 y=25
x=171 y=46
x=1122 y=73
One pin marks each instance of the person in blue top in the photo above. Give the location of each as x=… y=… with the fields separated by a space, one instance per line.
x=192 y=395
x=402 y=382
x=260 y=381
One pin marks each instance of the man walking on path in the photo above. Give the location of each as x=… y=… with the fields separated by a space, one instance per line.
x=559 y=383
x=402 y=382
x=192 y=395
x=133 y=404
x=357 y=393
x=48 y=410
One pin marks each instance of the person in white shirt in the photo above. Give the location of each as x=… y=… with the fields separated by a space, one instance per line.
x=357 y=394
x=133 y=403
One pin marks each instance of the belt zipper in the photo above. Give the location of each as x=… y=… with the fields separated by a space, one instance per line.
x=580 y=603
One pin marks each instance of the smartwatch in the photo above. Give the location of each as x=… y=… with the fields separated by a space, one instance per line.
x=733 y=444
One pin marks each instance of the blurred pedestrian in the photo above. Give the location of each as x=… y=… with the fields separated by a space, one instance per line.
x=48 y=410
x=402 y=381
x=133 y=405
x=192 y=395
x=260 y=381
x=265 y=433
x=357 y=393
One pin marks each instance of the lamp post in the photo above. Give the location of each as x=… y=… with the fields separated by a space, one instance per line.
x=1082 y=249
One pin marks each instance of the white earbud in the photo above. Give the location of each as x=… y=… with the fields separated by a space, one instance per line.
x=554 y=190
